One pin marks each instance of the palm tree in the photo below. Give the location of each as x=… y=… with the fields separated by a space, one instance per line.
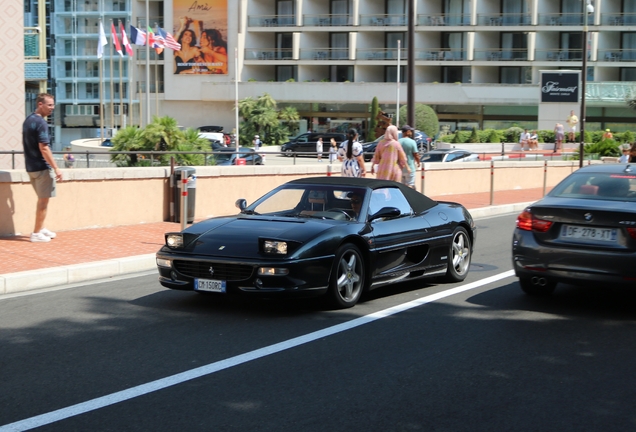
x=127 y=139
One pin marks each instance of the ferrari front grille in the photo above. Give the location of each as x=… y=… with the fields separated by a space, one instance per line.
x=213 y=270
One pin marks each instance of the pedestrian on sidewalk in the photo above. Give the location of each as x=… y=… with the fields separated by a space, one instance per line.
x=390 y=157
x=533 y=141
x=625 y=157
x=412 y=155
x=523 y=140
x=319 y=149
x=573 y=122
x=559 y=134
x=350 y=153
x=40 y=164
x=333 y=151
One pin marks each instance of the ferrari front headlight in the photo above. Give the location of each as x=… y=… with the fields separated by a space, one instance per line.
x=174 y=240
x=275 y=247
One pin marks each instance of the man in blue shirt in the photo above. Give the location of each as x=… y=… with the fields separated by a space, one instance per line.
x=40 y=164
x=412 y=155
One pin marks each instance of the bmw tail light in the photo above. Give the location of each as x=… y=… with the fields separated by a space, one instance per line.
x=524 y=221
x=632 y=232
x=527 y=222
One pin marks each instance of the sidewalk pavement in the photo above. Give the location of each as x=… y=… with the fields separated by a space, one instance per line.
x=100 y=253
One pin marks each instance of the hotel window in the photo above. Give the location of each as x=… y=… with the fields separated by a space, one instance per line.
x=390 y=74
x=628 y=74
x=285 y=12
x=391 y=43
x=453 y=46
x=284 y=73
x=571 y=46
x=455 y=74
x=628 y=44
x=284 y=45
x=339 y=44
x=456 y=12
x=341 y=12
x=341 y=73
x=515 y=75
x=514 y=46
x=515 y=12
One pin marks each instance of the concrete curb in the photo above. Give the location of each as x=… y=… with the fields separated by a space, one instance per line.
x=48 y=277
x=55 y=276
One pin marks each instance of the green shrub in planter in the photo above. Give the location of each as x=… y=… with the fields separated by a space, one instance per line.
x=607 y=147
x=473 y=138
x=628 y=137
x=512 y=134
x=493 y=136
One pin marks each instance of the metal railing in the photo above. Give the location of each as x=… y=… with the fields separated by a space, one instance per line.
x=328 y=20
x=102 y=159
x=447 y=20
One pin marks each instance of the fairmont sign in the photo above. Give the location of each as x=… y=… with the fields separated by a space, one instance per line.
x=560 y=86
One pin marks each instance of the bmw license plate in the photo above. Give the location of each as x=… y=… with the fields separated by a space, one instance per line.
x=589 y=234
x=209 y=285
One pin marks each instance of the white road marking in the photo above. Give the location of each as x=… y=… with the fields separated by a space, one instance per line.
x=140 y=390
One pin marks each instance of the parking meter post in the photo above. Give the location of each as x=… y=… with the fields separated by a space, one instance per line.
x=492 y=182
x=423 y=177
x=184 y=203
x=545 y=175
x=329 y=170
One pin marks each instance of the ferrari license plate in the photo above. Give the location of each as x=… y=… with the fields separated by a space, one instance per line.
x=209 y=285
x=589 y=234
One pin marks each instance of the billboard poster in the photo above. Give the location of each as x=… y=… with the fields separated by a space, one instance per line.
x=201 y=29
x=559 y=86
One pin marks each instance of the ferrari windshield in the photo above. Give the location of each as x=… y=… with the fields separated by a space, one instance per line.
x=298 y=200
x=591 y=185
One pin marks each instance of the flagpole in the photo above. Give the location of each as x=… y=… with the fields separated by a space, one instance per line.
x=157 y=76
x=101 y=86
x=147 y=66
x=131 y=86
x=121 y=88
x=112 y=86
x=236 y=96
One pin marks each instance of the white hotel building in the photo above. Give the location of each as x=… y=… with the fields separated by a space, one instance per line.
x=477 y=62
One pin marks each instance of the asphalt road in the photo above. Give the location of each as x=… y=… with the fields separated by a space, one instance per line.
x=128 y=355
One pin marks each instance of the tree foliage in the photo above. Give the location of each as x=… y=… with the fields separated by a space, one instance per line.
x=163 y=134
x=261 y=117
x=425 y=119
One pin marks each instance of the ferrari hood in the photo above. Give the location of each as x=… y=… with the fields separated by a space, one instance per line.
x=240 y=236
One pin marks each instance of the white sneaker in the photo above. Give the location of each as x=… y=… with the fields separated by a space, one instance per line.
x=39 y=238
x=49 y=234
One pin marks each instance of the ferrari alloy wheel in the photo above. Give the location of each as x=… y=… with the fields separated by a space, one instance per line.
x=459 y=255
x=347 y=277
x=537 y=285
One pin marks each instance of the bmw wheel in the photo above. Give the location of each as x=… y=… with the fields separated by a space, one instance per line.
x=347 y=277
x=289 y=152
x=459 y=256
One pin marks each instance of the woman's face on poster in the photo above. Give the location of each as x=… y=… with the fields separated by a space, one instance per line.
x=187 y=38
x=205 y=40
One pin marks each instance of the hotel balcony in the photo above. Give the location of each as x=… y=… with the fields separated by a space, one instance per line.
x=504 y=19
x=327 y=20
x=446 y=20
x=497 y=55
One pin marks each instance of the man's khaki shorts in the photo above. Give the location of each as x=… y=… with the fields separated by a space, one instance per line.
x=43 y=182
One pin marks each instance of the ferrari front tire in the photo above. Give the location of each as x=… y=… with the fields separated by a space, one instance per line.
x=347 y=277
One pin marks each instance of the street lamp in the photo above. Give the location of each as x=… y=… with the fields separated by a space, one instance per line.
x=587 y=8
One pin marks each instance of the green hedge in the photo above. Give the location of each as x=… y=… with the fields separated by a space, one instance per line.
x=511 y=135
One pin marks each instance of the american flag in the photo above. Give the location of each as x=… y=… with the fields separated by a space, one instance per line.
x=168 y=39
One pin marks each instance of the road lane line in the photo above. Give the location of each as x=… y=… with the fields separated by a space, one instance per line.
x=140 y=390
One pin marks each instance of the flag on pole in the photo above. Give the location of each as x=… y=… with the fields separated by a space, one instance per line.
x=138 y=37
x=102 y=41
x=124 y=40
x=155 y=42
x=113 y=31
x=168 y=39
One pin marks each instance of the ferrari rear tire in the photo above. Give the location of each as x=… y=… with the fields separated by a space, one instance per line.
x=347 y=277
x=537 y=286
x=459 y=255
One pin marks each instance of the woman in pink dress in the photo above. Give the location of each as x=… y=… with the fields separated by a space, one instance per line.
x=390 y=157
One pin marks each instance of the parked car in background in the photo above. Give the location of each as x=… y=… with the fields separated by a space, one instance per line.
x=228 y=156
x=449 y=155
x=323 y=236
x=369 y=148
x=213 y=136
x=583 y=231
x=307 y=143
